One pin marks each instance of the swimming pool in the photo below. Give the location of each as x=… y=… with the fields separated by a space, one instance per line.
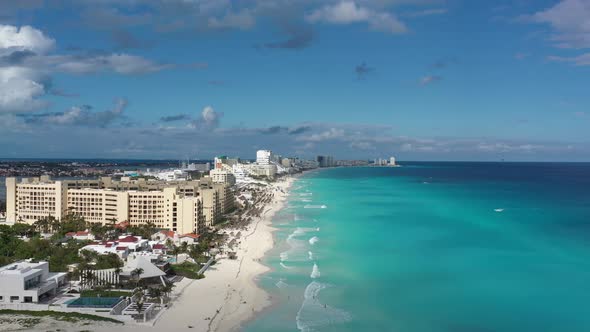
x=94 y=302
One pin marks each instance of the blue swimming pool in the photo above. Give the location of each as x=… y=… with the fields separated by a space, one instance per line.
x=94 y=302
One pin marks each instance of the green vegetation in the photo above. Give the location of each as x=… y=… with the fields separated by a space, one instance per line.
x=103 y=293
x=187 y=270
x=61 y=316
x=58 y=250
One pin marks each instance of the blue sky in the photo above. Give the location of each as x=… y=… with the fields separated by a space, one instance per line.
x=418 y=79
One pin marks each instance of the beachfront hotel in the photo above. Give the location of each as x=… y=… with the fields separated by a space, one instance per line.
x=184 y=206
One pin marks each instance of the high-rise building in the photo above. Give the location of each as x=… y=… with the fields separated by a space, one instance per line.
x=264 y=157
x=325 y=161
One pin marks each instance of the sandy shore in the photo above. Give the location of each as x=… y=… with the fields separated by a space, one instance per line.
x=229 y=295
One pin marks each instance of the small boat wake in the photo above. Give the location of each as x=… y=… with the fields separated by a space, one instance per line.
x=309 y=206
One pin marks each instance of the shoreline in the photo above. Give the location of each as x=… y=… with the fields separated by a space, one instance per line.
x=229 y=295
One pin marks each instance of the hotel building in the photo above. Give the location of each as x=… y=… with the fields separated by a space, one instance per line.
x=184 y=207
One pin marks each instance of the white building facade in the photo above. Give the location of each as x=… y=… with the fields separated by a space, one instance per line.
x=27 y=282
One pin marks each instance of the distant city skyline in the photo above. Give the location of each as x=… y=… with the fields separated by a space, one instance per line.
x=415 y=79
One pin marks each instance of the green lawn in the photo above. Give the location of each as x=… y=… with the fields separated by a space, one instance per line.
x=187 y=270
x=62 y=316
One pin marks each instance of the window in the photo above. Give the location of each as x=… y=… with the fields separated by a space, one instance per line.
x=14 y=298
x=28 y=299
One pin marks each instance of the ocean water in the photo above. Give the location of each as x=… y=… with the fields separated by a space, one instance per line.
x=457 y=247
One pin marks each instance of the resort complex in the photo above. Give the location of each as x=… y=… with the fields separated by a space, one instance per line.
x=116 y=246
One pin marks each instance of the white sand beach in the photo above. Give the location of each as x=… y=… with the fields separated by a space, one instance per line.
x=228 y=295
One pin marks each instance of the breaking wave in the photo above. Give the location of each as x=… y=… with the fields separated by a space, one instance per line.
x=313 y=314
x=314 y=240
x=315 y=272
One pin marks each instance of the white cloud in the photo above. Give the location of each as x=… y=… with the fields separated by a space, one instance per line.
x=19 y=90
x=580 y=60
x=208 y=120
x=26 y=66
x=24 y=38
x=570 y=20
x=81 y=116
x=119 y=63
x=330 y=134
x=347 y=12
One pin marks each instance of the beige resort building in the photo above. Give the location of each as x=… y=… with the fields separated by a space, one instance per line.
x=184 y=206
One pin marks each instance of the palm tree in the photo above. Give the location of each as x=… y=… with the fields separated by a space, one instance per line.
x=175 y=252
x=136 y=274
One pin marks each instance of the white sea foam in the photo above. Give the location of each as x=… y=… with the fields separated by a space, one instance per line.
x=306 y=200
x=281 y=284
x=499 y=210
x=284 y=256
x=297 y=245
x=313 y=240
x=310 y=255
x=306 y=194
x=310 y=206
x=315 y=272
x=285 y=266
x=313 y=314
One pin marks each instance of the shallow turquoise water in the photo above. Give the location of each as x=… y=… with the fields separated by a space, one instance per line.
x=433 y=247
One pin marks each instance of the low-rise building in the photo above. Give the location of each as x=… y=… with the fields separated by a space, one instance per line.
x=28 y=282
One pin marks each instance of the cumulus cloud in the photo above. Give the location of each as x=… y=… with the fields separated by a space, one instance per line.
x=208 y=119
x=26 y=66
x=347 y=12
x=20 y=89
x=13 y=38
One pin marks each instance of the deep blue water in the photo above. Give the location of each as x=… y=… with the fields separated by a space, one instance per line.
x=457 y=247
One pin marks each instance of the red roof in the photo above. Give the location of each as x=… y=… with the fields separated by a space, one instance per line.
x=159 y=246
x=122 y=224
x=129 y=238
x=121 y=248
x=191 y=235
x=168 y=233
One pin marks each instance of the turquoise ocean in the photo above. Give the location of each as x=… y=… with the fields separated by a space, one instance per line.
x=457 y=247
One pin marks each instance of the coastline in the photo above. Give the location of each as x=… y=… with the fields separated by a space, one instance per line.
x=229 y=296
